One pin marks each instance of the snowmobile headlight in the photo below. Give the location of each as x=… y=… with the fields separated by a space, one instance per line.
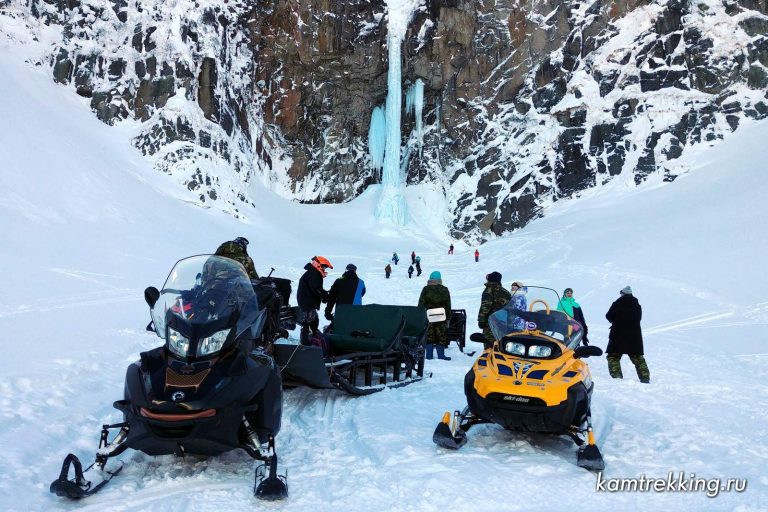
x=212 y=343
x=512 y=347
x=539 y=351
x=178 y=344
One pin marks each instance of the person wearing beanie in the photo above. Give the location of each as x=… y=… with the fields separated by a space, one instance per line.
x=387 y=270
x=493 y=299
x=435 y=295
x=237 y=250
x=626 y=336
x=348 y=289
x=570 y=307
x=410 y=271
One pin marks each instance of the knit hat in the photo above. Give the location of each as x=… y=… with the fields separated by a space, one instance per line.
x=567 y=290
x=493 y=277
x=626 y=291
x=352 y=267
x=435 y=275
x=518 y=284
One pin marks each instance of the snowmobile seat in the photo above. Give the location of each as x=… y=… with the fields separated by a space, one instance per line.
x=370 y=328
x=416 y=324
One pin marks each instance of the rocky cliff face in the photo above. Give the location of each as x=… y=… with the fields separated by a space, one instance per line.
x=525 y=102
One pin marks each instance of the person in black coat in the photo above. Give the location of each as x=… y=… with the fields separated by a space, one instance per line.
x=310 y=294
x=348 y=289
x=625 y=336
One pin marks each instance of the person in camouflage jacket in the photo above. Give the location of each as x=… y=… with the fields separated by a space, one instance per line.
x=435 y=295
x=494 y=298
x=237 y=250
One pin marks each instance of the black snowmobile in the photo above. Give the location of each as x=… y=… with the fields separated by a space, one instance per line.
x=209 y=389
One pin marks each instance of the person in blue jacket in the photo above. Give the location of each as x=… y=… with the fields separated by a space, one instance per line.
x=348 y=289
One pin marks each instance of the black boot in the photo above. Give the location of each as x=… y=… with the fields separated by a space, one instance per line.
x=441 y=353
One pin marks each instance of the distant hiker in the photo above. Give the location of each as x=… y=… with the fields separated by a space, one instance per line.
x=625 y=336
x=388 y=270
x=348 y=289
x=570 y=307
x=418 y=266
x=410 y=271
x=413 y=257
x=310 y=294
x=493 y=299
x=395 y=257
x=450 y=249
x=237 y=250
x=477 y=255
x=435 y=296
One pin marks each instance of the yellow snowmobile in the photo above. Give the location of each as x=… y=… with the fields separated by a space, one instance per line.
x=531 y=378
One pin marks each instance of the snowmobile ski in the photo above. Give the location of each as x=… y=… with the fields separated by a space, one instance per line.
x=79 y=487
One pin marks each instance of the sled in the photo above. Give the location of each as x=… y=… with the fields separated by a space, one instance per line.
x=371 y=348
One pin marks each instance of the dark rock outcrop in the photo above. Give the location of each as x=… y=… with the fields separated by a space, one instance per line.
x=524 y=102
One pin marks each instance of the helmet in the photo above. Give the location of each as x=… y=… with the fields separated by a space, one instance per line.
x=321 y=263
x=241 y=241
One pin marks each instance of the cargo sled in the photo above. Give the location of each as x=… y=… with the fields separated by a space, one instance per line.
x=371 y=347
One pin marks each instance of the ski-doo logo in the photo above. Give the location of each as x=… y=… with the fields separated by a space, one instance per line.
x=530 y=326
x=515 y=398
x=178 y=396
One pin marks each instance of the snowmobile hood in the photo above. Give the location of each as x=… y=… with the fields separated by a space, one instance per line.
x=533 y=356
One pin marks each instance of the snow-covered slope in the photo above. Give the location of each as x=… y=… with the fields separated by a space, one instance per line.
x=86 y=225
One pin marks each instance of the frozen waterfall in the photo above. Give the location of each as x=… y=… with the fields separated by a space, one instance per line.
x=392 y=205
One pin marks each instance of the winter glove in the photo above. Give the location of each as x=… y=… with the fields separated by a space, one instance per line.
x=328 y=315
x=482 y=325
x=323 y=296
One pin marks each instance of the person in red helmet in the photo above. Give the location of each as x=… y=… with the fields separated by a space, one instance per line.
x=310 y=294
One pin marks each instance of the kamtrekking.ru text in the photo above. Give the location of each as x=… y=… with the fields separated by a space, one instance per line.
x=674 y=482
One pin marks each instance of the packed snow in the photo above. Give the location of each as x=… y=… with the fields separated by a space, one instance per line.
x=87 y=225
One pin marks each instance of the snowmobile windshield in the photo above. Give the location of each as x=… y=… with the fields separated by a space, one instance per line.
x=538 y=311
x=206 y=302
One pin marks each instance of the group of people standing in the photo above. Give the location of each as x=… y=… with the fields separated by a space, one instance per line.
x=415 y=265
x=624 y=314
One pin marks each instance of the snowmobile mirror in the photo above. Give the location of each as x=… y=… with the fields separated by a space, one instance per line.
x=588 y=351
x=478 y=337
x=151 y=295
